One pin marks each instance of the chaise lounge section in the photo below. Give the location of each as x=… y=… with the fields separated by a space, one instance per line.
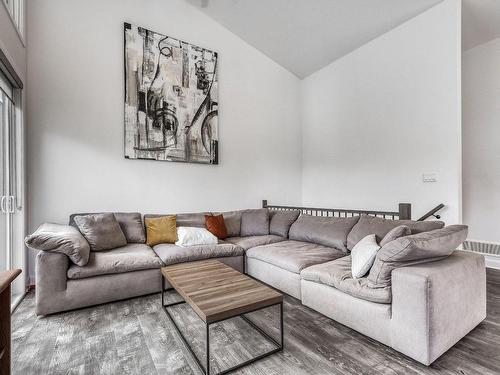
x=411 y=299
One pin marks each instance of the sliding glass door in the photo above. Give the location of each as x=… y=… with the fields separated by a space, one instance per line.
x=12 y=218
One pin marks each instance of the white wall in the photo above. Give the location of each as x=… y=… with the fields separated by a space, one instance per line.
x=75 y=108
x=377 y=119
x=481 y=141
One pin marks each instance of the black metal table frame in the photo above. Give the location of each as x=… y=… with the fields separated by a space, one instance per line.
x=206 y=370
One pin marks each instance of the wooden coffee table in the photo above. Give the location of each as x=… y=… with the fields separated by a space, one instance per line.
x=217 y=292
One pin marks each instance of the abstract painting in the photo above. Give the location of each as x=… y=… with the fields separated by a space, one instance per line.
x=171 y=99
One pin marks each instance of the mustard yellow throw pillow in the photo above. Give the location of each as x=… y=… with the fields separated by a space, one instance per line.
x=161 y=230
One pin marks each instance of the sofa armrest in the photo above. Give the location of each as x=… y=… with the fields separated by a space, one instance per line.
x=51 y=276
x=435 y=304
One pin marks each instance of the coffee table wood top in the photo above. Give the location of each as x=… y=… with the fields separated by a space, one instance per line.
x=216 y=291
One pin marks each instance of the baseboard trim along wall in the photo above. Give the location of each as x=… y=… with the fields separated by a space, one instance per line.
x=490 y=250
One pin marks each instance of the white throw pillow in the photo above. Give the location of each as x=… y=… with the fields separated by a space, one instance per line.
x=192 y=236
x=363 y=255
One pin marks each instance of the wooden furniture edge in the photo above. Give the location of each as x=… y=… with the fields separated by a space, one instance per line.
x=6 y=277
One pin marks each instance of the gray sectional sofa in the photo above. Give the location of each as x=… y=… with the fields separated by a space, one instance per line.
x=420 y=297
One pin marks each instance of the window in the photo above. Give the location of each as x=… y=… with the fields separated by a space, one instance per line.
x=16 y=11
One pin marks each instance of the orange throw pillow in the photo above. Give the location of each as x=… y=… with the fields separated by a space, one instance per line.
x=216 y=225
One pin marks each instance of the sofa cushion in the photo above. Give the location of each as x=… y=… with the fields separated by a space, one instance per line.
x=173 y=254
x=327 y=231
x=294 y=256
x=337 y=274
x=101 y=231
x=394 y=234
x=63 y=239
x=194 y=236
x=195 y=219
x=232 y=219
x=130 y=222
x=131 y=257
x=160 y=230
x=414 y=249
x=280 y=221
x=216 y=225
x=254 y=222
x=253 y=241
x=380 y=227
x=363 y=256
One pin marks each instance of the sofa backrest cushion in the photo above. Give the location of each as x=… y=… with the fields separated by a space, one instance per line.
x=130 y=223
x=232 y=219
x=63 y=239
x=326 y=231
x=414 y=249
x=101 y=231
x=195 y=219
x=254 y=222
x=380 y=227
x=281 y=221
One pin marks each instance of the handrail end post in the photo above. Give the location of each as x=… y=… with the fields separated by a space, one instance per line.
x=405 y=211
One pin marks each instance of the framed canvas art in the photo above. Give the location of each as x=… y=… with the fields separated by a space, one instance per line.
x=171 y=99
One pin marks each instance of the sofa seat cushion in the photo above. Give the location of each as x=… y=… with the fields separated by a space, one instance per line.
x=131 y=257
x=338 y=274
x=173 y=254
x=254 y=241
x=294 y=256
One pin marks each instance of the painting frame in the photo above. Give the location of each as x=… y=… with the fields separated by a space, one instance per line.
x=171 y=99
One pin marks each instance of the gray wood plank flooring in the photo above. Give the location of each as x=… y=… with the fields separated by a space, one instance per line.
x=135 y=337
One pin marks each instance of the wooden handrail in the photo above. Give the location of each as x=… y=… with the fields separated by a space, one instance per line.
x=432 y=213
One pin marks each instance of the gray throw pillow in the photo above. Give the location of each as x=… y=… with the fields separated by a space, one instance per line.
x=102 y=231
x=130 y=222
x=395 y=233
x=414 y=249
x=63 y=239
x=326 y=231
x=254 y=222
x=281 y=221
x=368 y=224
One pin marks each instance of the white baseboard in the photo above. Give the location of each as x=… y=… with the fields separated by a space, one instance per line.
x=492 y=261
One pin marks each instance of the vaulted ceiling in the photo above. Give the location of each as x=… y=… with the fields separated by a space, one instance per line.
x=305 y=35
x=481 y=22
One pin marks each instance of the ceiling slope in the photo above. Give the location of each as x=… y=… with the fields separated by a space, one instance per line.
x=305 y=35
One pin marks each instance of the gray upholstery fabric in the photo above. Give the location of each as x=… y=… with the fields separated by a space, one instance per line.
x=132 y=257
x=63 y=239
x=395 y=233
x=101 y=231
x=232 y=219
x=338 y=274
x=172 y=254
x=254 y=222
x=279 y=278
x=327 y=231
x=130 y=222
x=380 y=227
x=369 y=318
x=196 y=219
x=435 y=304
x=253 y=241
x=281 y=221
x=294 y=256
x=414 y=249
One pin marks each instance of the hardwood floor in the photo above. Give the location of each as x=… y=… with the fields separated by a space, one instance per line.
x=135 y=337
